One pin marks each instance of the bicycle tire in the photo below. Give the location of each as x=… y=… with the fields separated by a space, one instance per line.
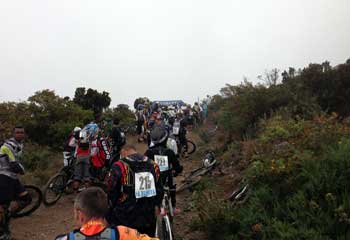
x=167 y=228
x=54 y=187
x=198 y=172
x=171 y=211
x=191 y=147
x=237 y=193
x=37 y=198
x=188 y=184
x=163 y=228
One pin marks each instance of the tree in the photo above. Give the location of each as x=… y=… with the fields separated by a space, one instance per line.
x=92 y=99
x=121 y=112
x=140 y=100
x=271 y=78
x=51 y=118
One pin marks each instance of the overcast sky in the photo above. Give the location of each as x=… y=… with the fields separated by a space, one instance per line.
x=178 y=49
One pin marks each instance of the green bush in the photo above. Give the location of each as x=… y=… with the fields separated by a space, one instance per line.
x=40 y=163
x=299 y=186
x=316 y=88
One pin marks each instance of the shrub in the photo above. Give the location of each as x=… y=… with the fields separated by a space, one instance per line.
x=299 y=186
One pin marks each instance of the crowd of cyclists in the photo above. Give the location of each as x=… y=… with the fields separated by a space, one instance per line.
x=133 y=181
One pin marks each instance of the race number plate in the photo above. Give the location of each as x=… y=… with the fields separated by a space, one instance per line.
x=162 y=162
x=144 y=185
x=176 y=130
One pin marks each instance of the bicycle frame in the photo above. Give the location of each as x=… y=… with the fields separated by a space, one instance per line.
x=166 y=202
x=164 y=231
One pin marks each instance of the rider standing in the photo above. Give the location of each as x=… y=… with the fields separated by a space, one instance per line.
x=140 y=122
x=84 y=155
x=118 y=140
x=135 y=191
x=166 y=160
x=11 y=188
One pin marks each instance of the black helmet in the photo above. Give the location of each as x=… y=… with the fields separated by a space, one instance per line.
x=155 y=107
x=159 y=134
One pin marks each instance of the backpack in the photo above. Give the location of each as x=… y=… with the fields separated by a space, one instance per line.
x=106 y=234
x=138 y=178
x=100 y=154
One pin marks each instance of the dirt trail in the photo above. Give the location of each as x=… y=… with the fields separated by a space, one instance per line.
x=48 y=222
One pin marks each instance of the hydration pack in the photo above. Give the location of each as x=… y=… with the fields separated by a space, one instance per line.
x=100 y=154
x=107 y=234
x=138 y=178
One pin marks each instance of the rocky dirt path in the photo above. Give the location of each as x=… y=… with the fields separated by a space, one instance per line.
x=48 y=222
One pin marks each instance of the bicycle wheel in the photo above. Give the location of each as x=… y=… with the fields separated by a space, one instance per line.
x=191 y=147
x=163 y=229
x=198 y=172
x=54 y=188
x=189 y=183
x=37 y=198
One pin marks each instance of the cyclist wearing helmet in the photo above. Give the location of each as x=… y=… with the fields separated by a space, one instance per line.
x=182 y=137
x=140 y=121
x=11 y=188
x=83 y=162
x=70 y=146
x=197 y=113
x=101 y=156
x=118 y=140
x=155 y=107
x=134 y=191
x=90 y=208
x=204 y=110
x=166 y=159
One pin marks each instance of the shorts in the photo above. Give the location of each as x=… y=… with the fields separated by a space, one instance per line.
x=10 y=189
x=82 y=169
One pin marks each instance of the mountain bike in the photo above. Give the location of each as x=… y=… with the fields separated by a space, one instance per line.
x=61 y=183
x=37 y=198
x=165 y=218
x=58 y=184
x=195 y=176
x=191 y=147
x=6 y=215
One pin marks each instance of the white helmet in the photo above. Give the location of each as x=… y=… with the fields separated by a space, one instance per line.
x=76 y=129
x=84 y=136
x=209 y=160
x=206 y=163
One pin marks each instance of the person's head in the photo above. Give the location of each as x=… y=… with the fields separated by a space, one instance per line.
x=127 y=150
x=76 y=132
x=18 y=133
x=155 y=107
x=90 y=204
x=116 y=121
x=159 y=134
